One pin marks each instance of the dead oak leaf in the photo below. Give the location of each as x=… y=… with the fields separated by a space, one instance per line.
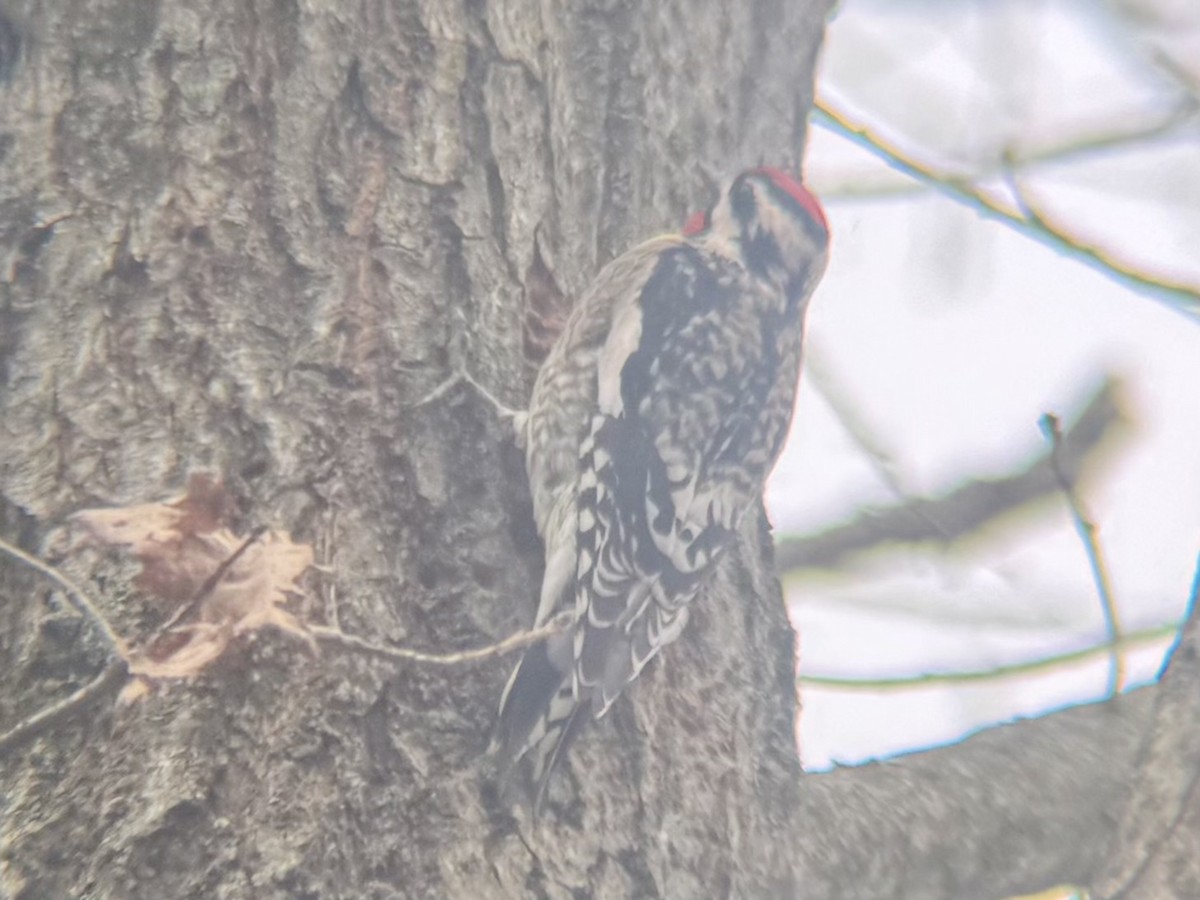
x=181 y=544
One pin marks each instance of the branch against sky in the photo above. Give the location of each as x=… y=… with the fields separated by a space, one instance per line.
x=1025 y=806
x=966 y=508
x=1024 y=218
x=1099 y=139
x=1128 y=641
x=1087 y=529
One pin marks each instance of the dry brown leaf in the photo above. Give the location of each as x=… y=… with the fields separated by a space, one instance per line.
x=202 y=644
x=180 y=544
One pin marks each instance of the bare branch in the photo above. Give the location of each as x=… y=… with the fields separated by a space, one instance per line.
x=1031 y=804
x=823 y=379
x=117 y=668
x=26 y=730
x=78 y=597
x=1130 y=641
x=852 y=186
x=1052 y=800
x=1180 y=297
x=518 y=641
x=821 y=376
x=1095 y=553
x=966 y=508
x=1180 y=75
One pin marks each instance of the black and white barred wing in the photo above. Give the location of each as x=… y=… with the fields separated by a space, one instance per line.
x=688 y=415
x=680 y=447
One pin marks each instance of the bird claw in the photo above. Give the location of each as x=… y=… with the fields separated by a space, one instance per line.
x=513 y=418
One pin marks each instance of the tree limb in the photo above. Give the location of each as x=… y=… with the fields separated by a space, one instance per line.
x=1153 y=852
x=1127 y=641
x=1182 y=298
x=1010 y=810
x=1099 y=139
x=1020 y=807
x=964 y=509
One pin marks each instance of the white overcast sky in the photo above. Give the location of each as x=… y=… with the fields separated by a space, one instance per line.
x=953 y=334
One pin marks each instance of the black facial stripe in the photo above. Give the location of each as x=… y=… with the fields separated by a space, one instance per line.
x=742 y=202
x=761 y=253
x=796 y=284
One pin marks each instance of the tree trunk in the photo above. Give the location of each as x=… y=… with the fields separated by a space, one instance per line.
x=261 y=240
x=250 y=238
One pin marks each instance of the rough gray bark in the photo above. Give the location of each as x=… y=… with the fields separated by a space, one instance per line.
x=1153 y=853
x=250 y=238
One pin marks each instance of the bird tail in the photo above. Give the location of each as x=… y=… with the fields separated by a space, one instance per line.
x=540 y=715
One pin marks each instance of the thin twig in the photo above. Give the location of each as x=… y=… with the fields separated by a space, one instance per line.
x=852 y=185
x=440 y=391
x=1180 y=297
x=207 y=587
x=25 y=731
x=962 y=511
x=1127 y=642
x=503 y=410
x=518 y=641
x=79 y=598
x=1095 y=553
x=822 y=378
x=1183 y=78
x=113 y=673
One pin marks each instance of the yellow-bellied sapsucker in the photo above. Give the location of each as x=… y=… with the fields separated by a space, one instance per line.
x=653 y=425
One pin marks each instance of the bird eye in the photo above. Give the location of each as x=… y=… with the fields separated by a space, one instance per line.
x=741 y=199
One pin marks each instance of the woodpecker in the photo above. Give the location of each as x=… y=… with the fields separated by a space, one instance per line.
x=653 y=425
